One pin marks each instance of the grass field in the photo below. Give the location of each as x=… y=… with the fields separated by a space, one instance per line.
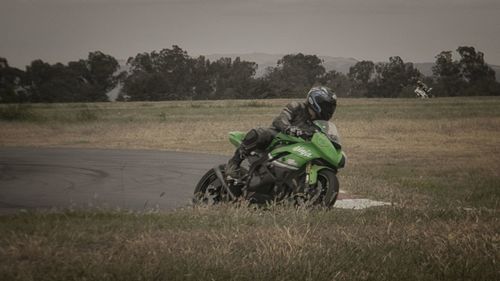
x=437 y=161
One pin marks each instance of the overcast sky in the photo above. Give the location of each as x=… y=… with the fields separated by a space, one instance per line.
x=416 y=30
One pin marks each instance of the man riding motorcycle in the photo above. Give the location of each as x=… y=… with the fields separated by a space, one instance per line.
x=295 y=119
x=422 y=90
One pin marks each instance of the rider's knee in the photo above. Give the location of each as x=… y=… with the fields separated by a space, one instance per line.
x=259 y=138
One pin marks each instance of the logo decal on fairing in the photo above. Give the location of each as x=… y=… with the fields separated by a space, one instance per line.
x=302 y=151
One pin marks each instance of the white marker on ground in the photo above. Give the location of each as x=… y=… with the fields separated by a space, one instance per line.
x=357 y=204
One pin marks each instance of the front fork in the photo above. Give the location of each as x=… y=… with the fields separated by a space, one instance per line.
x=218 y=173
x=308 y=172
x=312 y=173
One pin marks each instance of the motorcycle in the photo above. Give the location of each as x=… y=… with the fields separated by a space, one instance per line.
x=302 y=170
x=423 y=94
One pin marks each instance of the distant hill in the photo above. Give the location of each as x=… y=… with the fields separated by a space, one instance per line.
x=337 y=63
x=424 y=67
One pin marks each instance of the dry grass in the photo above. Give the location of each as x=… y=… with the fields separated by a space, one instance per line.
x=231 y=243
x=371 y=125
x=437 y=160
x=193 y=126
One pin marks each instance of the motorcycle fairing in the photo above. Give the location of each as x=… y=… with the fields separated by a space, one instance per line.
x=302 y=152
x=294 y=153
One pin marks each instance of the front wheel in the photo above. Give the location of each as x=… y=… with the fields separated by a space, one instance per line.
x=209 y=189
x=324 y=193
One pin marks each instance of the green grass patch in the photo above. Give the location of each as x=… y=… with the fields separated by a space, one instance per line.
x=17 y=112
x=40 y=114
x=86 y=115
x=411 y=109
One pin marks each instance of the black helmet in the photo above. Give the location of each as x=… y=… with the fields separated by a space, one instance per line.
x=322 y=101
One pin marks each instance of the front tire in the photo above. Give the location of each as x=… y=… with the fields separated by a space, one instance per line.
x=209 y=190
x=325 y=192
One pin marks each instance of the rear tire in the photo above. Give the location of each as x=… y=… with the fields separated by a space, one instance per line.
x=209 y=190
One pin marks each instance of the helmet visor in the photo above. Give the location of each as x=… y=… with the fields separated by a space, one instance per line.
x=327 y=110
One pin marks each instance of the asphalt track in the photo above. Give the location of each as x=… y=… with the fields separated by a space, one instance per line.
x=45 y=178
x=140 y=180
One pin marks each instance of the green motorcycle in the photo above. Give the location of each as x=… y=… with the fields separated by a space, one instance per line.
x=301 y=170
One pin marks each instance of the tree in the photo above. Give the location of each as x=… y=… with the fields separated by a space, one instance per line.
x=470 y=75
x=448 y=76
x=362 y=71
x=393 y=77
x=339 y=83
x=473 y=67
x=221 y=75
x=13 y=87
x=233 y=79
x=361 y=76
x=101 y=69
x=175 y=66
x=54 y=83
x=80 y=81
x=164 y=75
x=294 y=75
x=479 y=76
x=203 y=85
x=172 y=74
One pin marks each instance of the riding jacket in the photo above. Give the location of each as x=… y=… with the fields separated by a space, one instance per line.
x=294 y=114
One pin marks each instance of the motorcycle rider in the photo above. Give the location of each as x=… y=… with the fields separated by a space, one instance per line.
x=422 y=90
x=295 y=119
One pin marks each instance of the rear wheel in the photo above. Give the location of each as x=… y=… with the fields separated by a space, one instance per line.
x=324 y=193
x=209 y=190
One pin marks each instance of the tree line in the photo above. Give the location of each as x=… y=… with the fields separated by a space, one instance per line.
x=85 y=80
x=171 y=74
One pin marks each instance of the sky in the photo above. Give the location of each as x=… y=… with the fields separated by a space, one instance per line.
x=416 y=30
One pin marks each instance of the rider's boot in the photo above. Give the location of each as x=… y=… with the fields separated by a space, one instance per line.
x=233 y=170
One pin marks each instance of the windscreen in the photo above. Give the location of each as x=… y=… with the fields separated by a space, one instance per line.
x=329 y=129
